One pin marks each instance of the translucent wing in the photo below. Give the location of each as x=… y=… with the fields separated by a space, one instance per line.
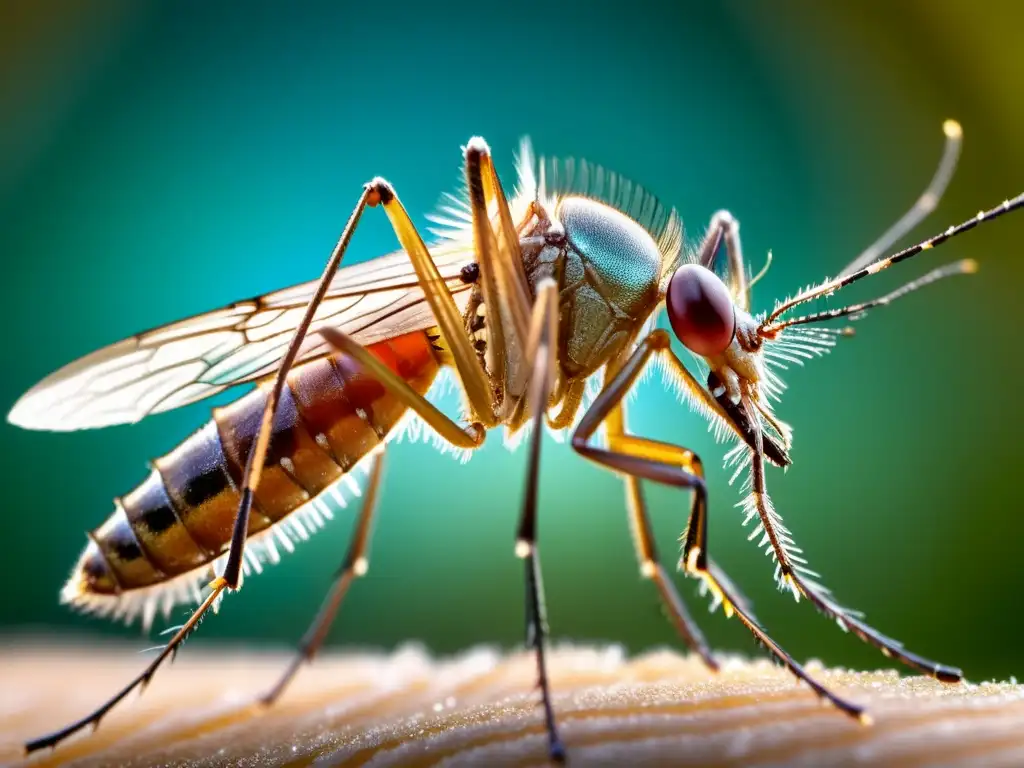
x=195 y=358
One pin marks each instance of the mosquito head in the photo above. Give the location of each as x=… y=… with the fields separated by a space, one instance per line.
x=700 y=310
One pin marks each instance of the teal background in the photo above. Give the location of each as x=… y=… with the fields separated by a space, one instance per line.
x=160 y=159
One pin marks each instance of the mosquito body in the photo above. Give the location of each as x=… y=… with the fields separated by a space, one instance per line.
x=527 y=298
x=164 y=537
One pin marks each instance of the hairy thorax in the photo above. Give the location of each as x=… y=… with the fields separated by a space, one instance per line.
x=607 y=268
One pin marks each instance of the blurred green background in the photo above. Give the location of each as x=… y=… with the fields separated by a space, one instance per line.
x=160 y=159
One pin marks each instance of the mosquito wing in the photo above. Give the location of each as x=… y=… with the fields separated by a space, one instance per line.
x=195 y=358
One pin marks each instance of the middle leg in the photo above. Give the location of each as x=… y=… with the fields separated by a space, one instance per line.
x=646 y=550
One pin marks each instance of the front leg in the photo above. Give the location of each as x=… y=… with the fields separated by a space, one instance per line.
x=793 y=573
x=641 y=458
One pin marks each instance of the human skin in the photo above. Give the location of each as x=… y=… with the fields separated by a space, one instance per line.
x=480 y=708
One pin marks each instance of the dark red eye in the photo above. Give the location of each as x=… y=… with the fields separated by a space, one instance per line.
x=700 y=310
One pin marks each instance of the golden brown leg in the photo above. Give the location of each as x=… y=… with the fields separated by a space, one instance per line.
x=645 y=459
x=471 y=373
x=254 y=465
x=461 y=437
x=354 y=565
x=503 y=283
x=646 y=551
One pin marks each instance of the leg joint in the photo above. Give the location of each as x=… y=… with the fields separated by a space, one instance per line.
x=696 y=466
x=659 y=339
x=381 y=192
x=476 y=148
x=725 y=221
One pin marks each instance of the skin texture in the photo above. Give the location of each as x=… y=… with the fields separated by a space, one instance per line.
x=479 y=708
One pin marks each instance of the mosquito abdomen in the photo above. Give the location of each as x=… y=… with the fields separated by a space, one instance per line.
x=178 y=521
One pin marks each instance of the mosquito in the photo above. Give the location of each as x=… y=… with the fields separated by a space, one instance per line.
x=544 y=305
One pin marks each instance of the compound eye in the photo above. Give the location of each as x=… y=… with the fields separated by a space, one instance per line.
x=700 y=310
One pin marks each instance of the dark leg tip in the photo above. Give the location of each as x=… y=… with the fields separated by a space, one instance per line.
x=556 y=751
x=39 y=744
x=948 y=674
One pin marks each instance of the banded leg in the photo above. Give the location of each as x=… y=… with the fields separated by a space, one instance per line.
x=471 y=373
x=669 y=464
x=794 y=575
x=353 y=566
x=542 y=348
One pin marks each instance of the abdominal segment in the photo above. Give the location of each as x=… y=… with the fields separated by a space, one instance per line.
x=178 y=521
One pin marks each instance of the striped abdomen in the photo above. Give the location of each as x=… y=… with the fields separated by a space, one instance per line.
x=179 y=520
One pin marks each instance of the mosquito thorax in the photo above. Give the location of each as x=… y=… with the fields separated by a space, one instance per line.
x=700 y=310
x=611 y=268
x=617 y=248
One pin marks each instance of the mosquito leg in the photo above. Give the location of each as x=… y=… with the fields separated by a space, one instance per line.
x=571 y=400
x=468 y=438
x=724 y=227
x=673 y=465
x=231 y=578
x=794 y=574
x=542 y=349
x=93 y=719
x=697 y=563
x=471 y=373
x=503 y=283
x=353 y=566
x=646 y=551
